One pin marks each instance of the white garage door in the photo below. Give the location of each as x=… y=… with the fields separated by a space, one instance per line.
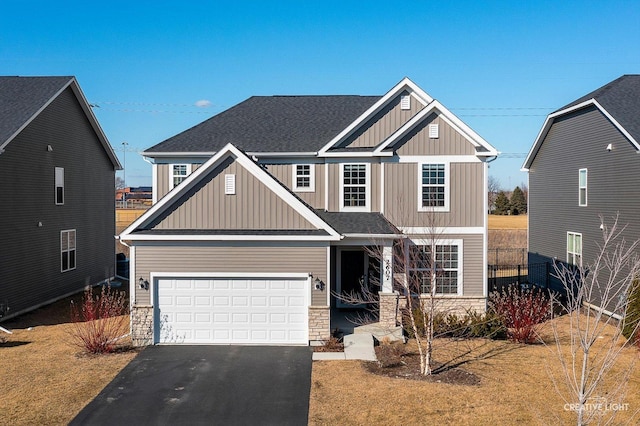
x=232 y=310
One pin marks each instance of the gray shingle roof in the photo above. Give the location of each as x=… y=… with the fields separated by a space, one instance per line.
x=621 y=99
x=22 y=97
x=272 y=124
x=358 y=222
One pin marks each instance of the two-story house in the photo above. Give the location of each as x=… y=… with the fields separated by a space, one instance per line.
x=582 y=175
x=58 y=173
x=264 y=212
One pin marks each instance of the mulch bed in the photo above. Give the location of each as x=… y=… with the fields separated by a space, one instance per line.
x=407 y=366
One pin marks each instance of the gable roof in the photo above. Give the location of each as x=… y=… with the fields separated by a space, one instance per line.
x=22 y=99
x=618 y=100
x=138 y=229
x=283 y=124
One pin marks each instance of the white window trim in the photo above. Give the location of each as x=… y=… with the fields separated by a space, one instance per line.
x=171 y=175
x=58 y=182
x=75 y=249
x=367 y=206
x=312 y=178
x=447 y=194
x=574 y=253
x=446 y=242
x=586 y=186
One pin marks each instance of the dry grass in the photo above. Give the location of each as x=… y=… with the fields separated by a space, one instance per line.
x=44 y=379
x=508 y=222
x=515 y=388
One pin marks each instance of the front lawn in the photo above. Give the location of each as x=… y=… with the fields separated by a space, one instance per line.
x=514 y=388
x=44 y=379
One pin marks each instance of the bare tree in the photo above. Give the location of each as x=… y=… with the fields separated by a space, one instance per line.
x=493 y=187
x=596 y=302
x=119 y=182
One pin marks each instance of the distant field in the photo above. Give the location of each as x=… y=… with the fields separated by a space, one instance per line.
x=507 y=222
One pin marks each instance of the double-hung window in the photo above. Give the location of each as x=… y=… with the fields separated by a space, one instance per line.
x=303 y=177
x=433 y=187
x=574 y=248
x=444 y=261
x=67 y=250
x=582 y=187
x=355 y=187
x=179 y=172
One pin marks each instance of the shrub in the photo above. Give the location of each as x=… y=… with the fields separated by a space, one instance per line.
x=333 y=344
x=99 y=320
x=389 y=354
x=471 y=324
x=521 y=311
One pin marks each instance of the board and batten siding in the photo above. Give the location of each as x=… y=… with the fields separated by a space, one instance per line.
x=284 y=173
x=575 y=141
x=448 y=142
x=30 y=260
x=335 y=178
x=383 y=124
x=253 y=206
x=295 y=258
x=466 y=192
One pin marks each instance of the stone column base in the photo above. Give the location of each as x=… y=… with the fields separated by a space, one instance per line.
x=319 y=323
x=389 y=309
x=142 y=325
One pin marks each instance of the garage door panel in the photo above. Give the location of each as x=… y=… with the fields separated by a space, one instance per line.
x=250 y=311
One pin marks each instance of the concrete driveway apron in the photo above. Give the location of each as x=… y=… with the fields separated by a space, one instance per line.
x=196 y=385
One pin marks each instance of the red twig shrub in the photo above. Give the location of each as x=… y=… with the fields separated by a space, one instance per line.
x=521 y=310
x=99 y=320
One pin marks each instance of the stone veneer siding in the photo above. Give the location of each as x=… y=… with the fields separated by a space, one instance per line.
x=392 y=303
x=142 y=325
x=319 y=325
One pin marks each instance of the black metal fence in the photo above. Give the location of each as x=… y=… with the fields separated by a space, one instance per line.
x=501 y=276
x=507 y=256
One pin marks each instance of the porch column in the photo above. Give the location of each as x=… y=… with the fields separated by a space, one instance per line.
x=386 y=269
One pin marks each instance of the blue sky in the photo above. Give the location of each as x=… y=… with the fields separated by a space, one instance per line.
x=501 y=66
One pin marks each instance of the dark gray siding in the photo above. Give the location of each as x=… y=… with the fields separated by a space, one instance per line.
x=30 y=255
x=576 y=141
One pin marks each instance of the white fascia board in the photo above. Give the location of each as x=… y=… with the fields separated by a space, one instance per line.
x=438 y=158
x=375 y=236
x=181 y=154
x=149 y=237
x=446 y=115
x=405 y=128
x=551 y=118
x=425 y=230
x=297 y=275
x=466 y=131
x=360 y=154
x=254 y=169
x=405 y=83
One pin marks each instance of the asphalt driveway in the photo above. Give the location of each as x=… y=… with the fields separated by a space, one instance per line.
x=226 y=385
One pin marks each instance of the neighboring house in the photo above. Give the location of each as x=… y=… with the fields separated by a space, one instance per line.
x=584 y=164
x=56 y=205
x=134 y=196
x=264 y=209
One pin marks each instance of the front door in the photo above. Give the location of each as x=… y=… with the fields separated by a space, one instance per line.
x=356 y=270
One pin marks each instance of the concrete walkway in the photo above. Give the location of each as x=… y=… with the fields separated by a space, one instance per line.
x=356 y=346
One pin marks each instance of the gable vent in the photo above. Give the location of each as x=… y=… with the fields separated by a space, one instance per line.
x=230 y=184
x=405 y=102
x=434 y=131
